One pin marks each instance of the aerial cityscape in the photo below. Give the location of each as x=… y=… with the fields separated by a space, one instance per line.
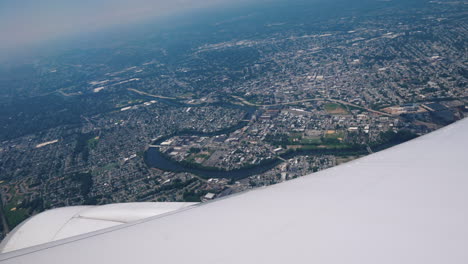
x=194 y=111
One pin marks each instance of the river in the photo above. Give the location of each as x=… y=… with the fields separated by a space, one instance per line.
x=155 y=159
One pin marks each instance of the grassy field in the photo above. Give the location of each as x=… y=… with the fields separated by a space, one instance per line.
x=311 y=141
x=106 y=167
x=199 y=156
x=203 y=156
x=92 y=143
x=13 y=215
x=335 y=109
x=331 y=137
x=332 y=134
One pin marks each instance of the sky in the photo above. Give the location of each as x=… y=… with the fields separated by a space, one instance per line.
x=25 y=23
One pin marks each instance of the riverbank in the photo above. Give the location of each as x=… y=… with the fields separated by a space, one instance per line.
x=154 y=158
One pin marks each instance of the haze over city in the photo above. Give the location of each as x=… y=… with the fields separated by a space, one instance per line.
x=26 y=23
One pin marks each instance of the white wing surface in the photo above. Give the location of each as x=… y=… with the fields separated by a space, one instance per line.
x=71 y=221
x=407 y=204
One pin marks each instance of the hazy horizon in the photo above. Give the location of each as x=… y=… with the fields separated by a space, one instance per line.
x=28 y=23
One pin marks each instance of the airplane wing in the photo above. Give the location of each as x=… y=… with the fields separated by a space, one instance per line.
x=71 y=221
x=407 y=204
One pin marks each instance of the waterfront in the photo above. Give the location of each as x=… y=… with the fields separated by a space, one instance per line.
x=155 y=159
